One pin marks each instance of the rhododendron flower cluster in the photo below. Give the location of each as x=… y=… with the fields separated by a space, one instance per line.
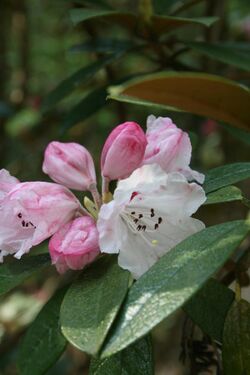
x=149 y=212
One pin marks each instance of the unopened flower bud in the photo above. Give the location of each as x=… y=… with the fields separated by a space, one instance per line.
x=75 y=245
x=69 y=164
x=123 y=151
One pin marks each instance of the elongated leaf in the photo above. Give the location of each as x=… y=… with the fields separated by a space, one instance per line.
x=172 y=281
x=209 y=306
x=73 y=82
x=91 y=304
x=225 y=194
x=104 y=46
x=137 y=359
x=15 y=272
x=226 y=175
x=198 y=93
x=159 y=24
x=236 y=340
x=226 y=54
x=89 y=105
x=243 y=135
x=43 y=343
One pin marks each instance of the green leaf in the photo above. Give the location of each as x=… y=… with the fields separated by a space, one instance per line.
x=43 y=343
x=211 y=96
x=226 y=175
x=172 y=281
x=89 y=105
x=92 y=303
x=242 y=135
x=236 y=339
x=15 y=272
x=137 y=359
x=82 y=76
x=209 y=306
x=159 y=24
x=222 y=52
x=225 y=194
x=104 y=46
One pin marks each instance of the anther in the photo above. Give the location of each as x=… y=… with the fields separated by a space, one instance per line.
x=140 y=216
x=23 y=223
x=133 y=213
x=136 y=221
x=159 y=220
x=156 y=226
x=152 y=212
x=139 y=227
x=20 y=215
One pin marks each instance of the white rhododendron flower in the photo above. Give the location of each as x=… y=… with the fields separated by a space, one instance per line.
x=150 y=214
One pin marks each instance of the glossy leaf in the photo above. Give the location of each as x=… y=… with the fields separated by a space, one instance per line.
x=159 y=24
x=226 y=175
x=199 y=93
x=225 y=194
x=82 y=76
x=16 y=271
x=209 y=306
x=137 y=359
x=89 y=105
x=222 y=52
x=236 y=339
x=43 y=343
x=172 y=281
x=91 y=304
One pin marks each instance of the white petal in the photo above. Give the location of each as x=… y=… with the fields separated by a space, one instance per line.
x=140 y=251
x=111 y=228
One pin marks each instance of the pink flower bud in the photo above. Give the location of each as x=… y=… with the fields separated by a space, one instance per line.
x=123 y=151
x=69 y=164
x=169 y=147
x=32 y=212
x=75 y=245
x=7 y=182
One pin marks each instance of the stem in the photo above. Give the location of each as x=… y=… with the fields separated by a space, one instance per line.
x=237 y=291
x=105 y=189
x=96 y=196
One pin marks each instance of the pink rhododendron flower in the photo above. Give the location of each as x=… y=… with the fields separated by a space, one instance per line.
x=150 y=214
x=75 y=244
x=69 y=164
x=32 y=212
x=169 y=147
x=123 y=151
x=7 y=182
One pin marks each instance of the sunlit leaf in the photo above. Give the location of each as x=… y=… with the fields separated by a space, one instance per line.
x=16 y=271
x=236 y=339
x=137 y=359
x=172 y=281
x=226 y=175
x=209 y=306
x=43 y=343
x=202 y=94
x=91 y=304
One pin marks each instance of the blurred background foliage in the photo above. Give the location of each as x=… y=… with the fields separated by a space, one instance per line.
x=53 y=80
